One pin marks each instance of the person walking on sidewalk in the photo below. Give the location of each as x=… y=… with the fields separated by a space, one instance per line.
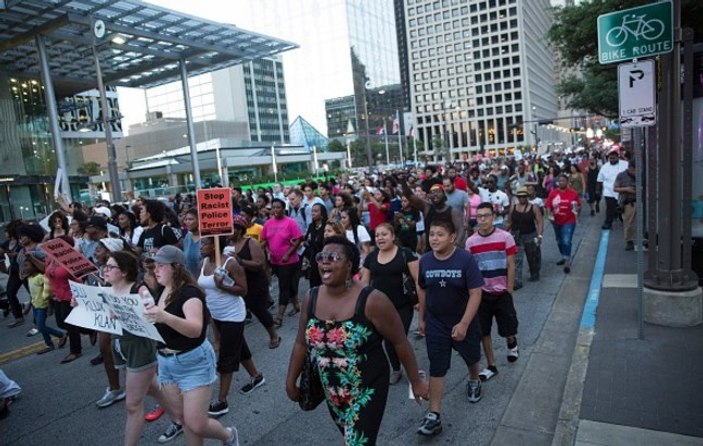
x=606 y=182
x=625 y=186
x=525 y=224
x=562 y=206
x=449 y=297
x=494 y=250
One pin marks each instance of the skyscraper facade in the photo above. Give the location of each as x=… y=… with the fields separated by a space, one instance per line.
x=481 y=74
x=254 y=92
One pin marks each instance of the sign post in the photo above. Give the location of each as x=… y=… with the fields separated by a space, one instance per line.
x=636 y=33
x=636 y=89
x=215 y=214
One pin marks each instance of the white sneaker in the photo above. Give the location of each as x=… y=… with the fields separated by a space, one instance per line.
x=513 y=354
x=234 y=440
x=110 y=397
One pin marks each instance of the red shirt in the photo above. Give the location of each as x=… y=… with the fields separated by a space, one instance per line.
x=560 y=203
x=58 y=281
x=377 y=215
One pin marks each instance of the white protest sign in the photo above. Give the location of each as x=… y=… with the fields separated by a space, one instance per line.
x=129 y=309
x=92 y=311
x=103 y=310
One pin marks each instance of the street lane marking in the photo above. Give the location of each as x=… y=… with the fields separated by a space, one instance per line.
x=21 y=352
x=588 y=318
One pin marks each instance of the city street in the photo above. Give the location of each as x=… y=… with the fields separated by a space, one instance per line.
x=57 y=402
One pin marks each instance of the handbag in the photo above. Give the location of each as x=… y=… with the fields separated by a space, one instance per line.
x=311 y=391
x=409 y=289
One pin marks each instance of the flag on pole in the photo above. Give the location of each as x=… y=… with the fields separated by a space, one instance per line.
x=411 y=132
x=381 y=130
x=396 y=126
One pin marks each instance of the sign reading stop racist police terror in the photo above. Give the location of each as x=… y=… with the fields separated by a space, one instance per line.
x=215 y=211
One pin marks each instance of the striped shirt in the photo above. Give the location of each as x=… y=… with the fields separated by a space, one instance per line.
x=491 y=253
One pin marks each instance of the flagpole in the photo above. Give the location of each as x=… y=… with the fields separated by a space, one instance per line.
x=414 y=147
x=400 y=138
x=385 y=134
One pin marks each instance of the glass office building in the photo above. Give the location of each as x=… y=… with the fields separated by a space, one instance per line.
x=347 y=48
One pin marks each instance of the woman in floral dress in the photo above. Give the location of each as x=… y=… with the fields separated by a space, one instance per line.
x=343 y=330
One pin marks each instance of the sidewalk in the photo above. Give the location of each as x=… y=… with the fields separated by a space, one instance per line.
x=638 y=391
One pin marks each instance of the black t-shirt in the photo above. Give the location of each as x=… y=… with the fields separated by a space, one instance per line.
x=175 y=340
x=388 y=277
x=158 y=236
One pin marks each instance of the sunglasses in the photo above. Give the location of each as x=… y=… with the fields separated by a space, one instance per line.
x=332 y=257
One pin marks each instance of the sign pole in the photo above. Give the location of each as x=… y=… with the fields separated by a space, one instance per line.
x=639 y=217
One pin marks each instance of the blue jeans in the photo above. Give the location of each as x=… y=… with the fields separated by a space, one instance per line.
x=564 y=234
x=45 y=330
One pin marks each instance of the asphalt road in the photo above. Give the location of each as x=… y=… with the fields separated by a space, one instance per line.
x=58 y=401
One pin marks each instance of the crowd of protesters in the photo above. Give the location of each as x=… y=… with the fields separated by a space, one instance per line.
x=444 y=244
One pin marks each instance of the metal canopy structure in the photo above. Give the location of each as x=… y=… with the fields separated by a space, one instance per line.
x=141 y=47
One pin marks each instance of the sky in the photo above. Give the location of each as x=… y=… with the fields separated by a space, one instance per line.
x=303 y=99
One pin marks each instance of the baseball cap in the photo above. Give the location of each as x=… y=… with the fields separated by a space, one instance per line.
x=113 y=244
x=169 y=254
x=435 y=187
x=98 y=222
x=102 y=210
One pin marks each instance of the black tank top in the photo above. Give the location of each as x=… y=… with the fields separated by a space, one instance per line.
x=523 y=222
x=256 y=280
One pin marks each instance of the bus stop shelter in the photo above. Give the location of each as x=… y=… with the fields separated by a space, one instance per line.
x=77 y=45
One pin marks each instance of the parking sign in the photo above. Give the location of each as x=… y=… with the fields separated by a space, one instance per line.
x=638 y=104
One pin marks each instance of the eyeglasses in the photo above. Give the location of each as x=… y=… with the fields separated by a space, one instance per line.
x=109 y=267
x=332 y=257
x=483 y=216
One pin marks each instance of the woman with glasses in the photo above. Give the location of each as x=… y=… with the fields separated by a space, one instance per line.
x=186 y=359
x=136 y=354
x=384 y=269
x=58 y=226
x=342 y=326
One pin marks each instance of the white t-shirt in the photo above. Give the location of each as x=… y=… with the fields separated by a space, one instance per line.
x=607 y=175
x=364 y=237
x=223 y=306
x=498 y=199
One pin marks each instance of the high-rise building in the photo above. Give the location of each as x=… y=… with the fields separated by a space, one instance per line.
x=481 y=74
x=254 y=92
x=347 y=48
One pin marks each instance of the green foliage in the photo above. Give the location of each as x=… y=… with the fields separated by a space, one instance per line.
x=574 y=33
x=336 y=146
x=90 y=168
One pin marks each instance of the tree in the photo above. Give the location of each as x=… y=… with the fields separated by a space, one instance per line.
x=591 y=86
x=336 y=146
x=90 y=169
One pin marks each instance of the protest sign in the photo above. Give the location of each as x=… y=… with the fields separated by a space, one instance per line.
x=215 y=211
x=103 y=310
x=74 y=262
x=129 y=310
x=92 y=311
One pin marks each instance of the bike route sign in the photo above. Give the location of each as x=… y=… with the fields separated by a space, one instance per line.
x=636 y=32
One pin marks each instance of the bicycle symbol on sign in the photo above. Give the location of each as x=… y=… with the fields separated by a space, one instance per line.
x=636 y=26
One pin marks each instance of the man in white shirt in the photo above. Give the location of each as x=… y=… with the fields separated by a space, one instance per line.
x=606 y=183
x=498 y=198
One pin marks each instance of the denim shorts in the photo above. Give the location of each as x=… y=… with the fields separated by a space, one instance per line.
x=190 y=370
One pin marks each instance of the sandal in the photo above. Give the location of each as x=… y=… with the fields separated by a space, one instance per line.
x=294 y=311
x=70 y=358
x=278 y=321
x=275 y=343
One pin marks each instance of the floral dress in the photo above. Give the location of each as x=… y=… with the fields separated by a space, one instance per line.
x=353 y=369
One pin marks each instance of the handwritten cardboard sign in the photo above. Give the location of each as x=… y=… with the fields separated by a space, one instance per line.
x=103 y=310
x=74 y=262
x=215 y=211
